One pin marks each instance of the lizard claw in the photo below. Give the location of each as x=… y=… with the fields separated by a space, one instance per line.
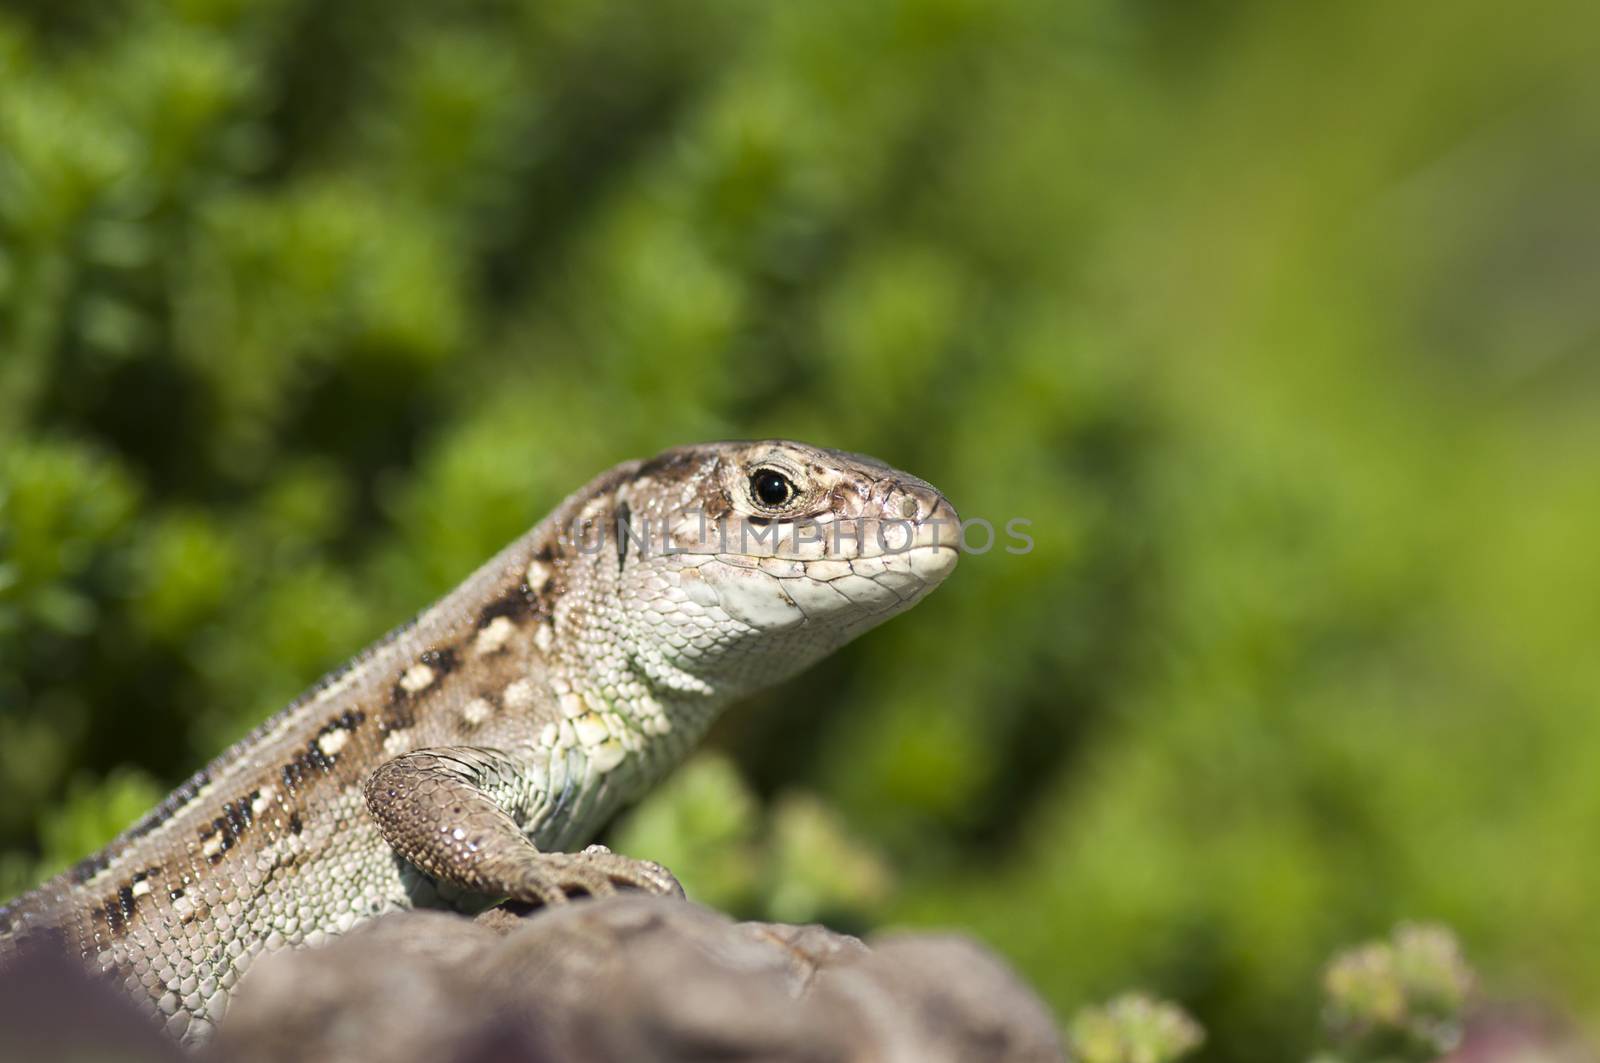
x=554 y=878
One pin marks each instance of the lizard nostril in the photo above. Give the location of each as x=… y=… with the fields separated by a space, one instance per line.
x=908 y=508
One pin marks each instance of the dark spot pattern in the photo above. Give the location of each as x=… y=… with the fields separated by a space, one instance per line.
x=515 y=605
x=624 y=532
x=228 y=828
x=400 y=715
x=119 y=910
x=313 y=762
x=442 y=660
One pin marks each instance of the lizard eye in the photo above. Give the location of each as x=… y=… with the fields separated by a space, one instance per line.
x=771 y=488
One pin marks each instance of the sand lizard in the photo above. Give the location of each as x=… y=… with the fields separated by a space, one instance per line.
x=468 y=755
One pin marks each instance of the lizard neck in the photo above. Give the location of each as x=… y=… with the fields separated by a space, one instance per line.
x=664 y=704
x=614 y=655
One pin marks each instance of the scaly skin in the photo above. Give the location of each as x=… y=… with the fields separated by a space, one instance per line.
x=464 y=757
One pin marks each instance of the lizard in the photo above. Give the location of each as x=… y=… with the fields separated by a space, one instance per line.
x=470 y=755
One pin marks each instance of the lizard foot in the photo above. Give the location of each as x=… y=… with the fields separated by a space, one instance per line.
x=554 y=878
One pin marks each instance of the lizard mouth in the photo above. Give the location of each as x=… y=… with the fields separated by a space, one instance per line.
x=934 y=563
x=935 y=547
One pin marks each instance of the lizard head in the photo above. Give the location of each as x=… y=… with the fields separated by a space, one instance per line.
x=734 y=565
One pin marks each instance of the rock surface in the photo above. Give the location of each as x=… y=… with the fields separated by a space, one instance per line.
x=633 y=979
x=628 y=979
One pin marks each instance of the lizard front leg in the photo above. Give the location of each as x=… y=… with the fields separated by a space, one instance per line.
x=455 y=812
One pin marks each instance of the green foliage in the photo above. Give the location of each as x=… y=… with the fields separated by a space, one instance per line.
x=1133 y=1028
x=795 y=864
x=1397 y=1001
x=1276 y=320
x=90 y=812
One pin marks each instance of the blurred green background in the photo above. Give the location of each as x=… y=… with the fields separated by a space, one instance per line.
x=1277 y=320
